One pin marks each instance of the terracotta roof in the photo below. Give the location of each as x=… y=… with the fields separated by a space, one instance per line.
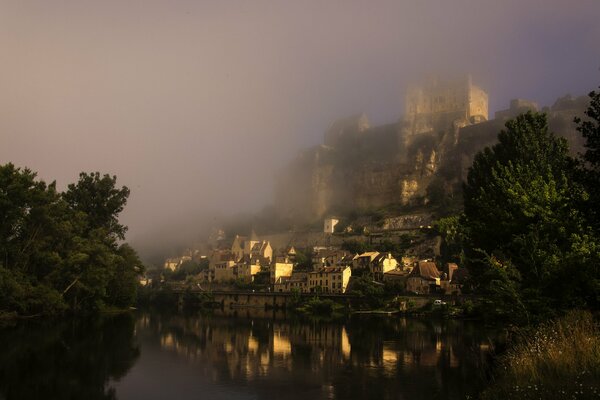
x=396 y=272
x=449 y=269
x=426 y=270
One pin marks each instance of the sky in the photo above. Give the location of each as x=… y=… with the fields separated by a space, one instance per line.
x=195 y=105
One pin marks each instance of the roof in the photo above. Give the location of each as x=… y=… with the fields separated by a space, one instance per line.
x=331 y=253
x=370 y=254
x=396 y=272
x=222 y=255
x=426 y=270
x=330 y=270
x=449 y=269
x=382 y=256
x=260 y=246
x=254 y=260
x=299 y=276
x=290 y=251
x=348 y=258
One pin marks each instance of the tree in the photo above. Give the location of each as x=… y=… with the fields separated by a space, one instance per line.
x=32 y=223
x=60 y=251
x=100 y=199
x=590 y=169
x=521 y=220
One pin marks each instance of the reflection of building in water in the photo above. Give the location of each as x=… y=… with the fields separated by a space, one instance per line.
x=267 y=350
x=252 y=344
x=281 y=344
x=345 y=344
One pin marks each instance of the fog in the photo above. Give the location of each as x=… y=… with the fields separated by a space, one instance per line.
x=195 y=105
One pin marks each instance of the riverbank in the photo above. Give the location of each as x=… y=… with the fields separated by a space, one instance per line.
x=559 y=359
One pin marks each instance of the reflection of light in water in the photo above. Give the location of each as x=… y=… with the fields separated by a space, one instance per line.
x=167 y=341
x=228 y=347
x=346 y=347
x=252 y=344
x=390 y=359
x=438 y=346
x=281 y=344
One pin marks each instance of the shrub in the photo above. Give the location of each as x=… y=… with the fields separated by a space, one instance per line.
x=558 y=360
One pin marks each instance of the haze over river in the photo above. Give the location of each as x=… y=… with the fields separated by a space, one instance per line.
x=243 y=354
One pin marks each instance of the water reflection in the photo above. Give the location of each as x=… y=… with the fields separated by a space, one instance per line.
x=268 y=356
x=69 y=360
x=242 y=354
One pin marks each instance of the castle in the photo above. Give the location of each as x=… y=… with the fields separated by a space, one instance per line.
x=423 y=156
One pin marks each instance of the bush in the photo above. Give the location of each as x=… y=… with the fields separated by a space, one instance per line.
x=558 y=360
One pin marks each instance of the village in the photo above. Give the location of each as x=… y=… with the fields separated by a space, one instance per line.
x=253 y=263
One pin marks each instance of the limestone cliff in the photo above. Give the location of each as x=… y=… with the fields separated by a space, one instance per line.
x=363 y=167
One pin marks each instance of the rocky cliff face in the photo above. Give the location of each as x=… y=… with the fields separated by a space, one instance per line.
x=400 y=163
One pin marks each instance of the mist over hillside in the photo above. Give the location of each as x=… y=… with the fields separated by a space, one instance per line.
x=199 y=106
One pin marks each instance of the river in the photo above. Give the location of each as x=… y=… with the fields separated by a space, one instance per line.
x=243 y=354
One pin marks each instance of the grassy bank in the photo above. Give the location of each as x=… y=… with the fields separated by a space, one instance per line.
x=558 y=360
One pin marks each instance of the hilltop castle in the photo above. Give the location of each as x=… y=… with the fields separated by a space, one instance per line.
x=416 y=160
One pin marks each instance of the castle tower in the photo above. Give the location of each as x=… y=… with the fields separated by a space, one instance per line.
x=451 y=100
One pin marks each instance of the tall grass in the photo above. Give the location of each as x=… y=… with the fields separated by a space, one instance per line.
x=558 y=360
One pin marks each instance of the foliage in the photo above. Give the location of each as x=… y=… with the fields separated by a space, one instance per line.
x=590 y=170
x=527 y=244
x=354 y=246
x=304 y=260
x=372 y=292
x=452 y=237
x=189 y=268
x=320 y=307
x=100 y=200
x=558 y=360
x=60 y=252
x=194 y=300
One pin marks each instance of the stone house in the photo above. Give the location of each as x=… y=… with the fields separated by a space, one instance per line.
x=384 y=262
x=424 y=278
x=330 y=258
x=329 y=224
x=262 y=249
x=174 y=263
x=329 y=280
x=298 y=281
x=364 y=260
x=282 y=267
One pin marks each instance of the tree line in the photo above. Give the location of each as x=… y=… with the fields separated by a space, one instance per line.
x=63 y=252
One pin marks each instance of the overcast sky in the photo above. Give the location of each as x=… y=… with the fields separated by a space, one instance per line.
x=195 y=104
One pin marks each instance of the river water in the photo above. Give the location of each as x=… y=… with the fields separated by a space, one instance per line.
x=243 y=354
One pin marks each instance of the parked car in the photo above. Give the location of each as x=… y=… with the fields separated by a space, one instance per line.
x=438 y=302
